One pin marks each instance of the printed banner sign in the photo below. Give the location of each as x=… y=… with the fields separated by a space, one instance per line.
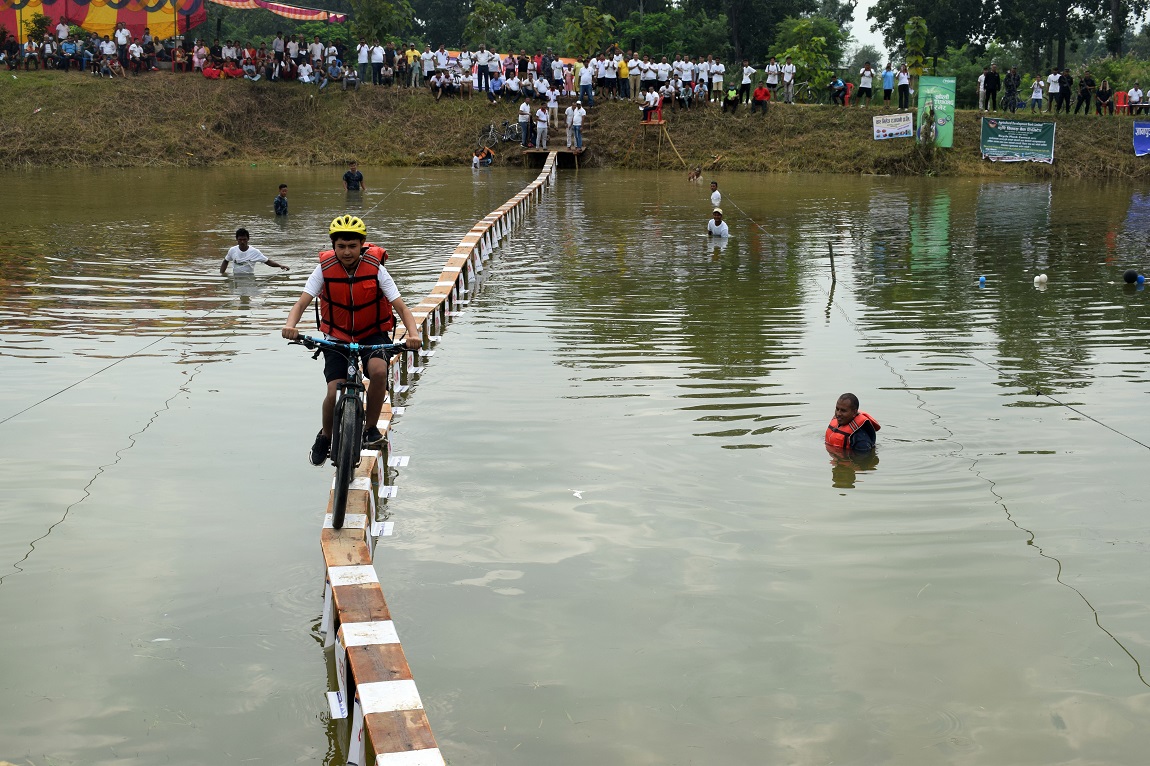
x=893 y=126
x=1017 y=141
x=936 y=111
x=1141 y=138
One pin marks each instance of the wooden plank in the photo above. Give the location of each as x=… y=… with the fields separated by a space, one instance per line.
x=398 y=732
x=358 y=501
x=344 y=548
x=360 y=603
x=378 y=662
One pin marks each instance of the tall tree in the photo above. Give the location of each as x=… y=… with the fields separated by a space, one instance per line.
x=752 y=22
x=487 y=17
x=442 y=21
x=379 y=19
x=951 y=22
x=588 y=30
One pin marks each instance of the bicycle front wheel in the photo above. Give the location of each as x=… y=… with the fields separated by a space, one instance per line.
x=489 y=137
x=514 y=134
x=349 y=437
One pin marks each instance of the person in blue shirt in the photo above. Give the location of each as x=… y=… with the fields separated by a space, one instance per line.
x=280 y=203
x=838 y=91
x=887 y=85
x=65 y=55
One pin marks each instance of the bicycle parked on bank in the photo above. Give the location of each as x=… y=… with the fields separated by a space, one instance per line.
x=511 y=133
x=349 y=415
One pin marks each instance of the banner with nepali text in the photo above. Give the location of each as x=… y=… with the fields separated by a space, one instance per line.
x=893 y=126
x=936 y=111
x=1141 y=138
x=1017 y=141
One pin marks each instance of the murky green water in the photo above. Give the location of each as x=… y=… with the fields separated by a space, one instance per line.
x=722 y=592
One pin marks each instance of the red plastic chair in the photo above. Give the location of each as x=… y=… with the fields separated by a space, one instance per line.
x=850 y=89
x=1121 y=102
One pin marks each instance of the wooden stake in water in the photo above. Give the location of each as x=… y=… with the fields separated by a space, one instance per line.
x=831 y=248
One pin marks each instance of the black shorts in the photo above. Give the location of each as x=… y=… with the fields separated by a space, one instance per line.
x=886 y=93
x=864 y=92
x=335 y=363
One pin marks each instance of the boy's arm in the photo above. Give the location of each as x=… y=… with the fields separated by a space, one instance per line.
x=272 y=263
x=289 y=331
x=412 y=337
x=224 y=267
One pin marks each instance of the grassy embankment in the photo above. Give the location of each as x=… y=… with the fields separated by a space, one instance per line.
x=166 y=120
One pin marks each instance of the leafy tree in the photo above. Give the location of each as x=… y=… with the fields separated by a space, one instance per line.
x=36 y=27
x=864 y=54
x=798 y=33
x=915 y=46
x=441 y=21
x=951 y=22
x=752 y=23
x=380 y=19
x=589 y=31
x=809 y=51
x=840 y=11
x=487 y=16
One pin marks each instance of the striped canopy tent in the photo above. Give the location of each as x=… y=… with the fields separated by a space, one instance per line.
x=281 y=9
x=165 y=18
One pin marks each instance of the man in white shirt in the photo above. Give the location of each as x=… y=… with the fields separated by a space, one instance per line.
x=553 y=105
x=634 y=70
x=62 y=30
x=789 y=70
x=363 y=58
x=716 y=197
x=304 y=73
x=745 y=85
x=482 y=60
x=611 y=75
x=135 y=57
x=525 y=121
x=982 y=89
x=717 y=227
x=122 y=37
x=773 y=71
x=441 y=59
x=663 y=72
x=567 y=123
x=427 y=63
x=866 y=85
x=577 y=115
x=1053 y=87
x=704 y=73
x=315 y=52
x=245 y=258
x=330 y=54
x=293 y=49
x=1135 y=94
x=541 y=128
x=718 y=69
x=585 y=78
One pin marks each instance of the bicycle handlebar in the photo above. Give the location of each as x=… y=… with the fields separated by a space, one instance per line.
x=311 y=343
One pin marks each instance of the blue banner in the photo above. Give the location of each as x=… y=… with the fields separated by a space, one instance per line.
x=1141 y=138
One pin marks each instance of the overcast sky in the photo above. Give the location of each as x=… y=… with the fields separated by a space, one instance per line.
x=860 y=29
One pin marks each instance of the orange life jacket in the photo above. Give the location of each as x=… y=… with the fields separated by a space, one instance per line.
x=352 y=306
x=839 y=437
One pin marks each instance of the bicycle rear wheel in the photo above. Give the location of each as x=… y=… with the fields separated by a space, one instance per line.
x=514 y=133
x=349 y=437
x=489 y=137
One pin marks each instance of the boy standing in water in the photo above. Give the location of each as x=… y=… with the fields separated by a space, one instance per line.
x=245 y=258
x=280 y=204
x=353 y=179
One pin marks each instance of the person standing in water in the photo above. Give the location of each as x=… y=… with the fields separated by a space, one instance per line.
x=280 y=203
x=717 y=227
x=353 y=179
x=245 y=258
x=851 y=430
x=716 y=197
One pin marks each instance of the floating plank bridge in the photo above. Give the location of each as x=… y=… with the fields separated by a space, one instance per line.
x=388 y=725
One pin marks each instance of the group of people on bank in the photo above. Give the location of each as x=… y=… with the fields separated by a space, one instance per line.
x=1057 y=90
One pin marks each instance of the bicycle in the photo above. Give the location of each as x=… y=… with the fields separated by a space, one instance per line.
x=348 y=418
x=510 y=134
x=805 y=93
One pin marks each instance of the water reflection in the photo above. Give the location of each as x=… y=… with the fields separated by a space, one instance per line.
x=847 y=464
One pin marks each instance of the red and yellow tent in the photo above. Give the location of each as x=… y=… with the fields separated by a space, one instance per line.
x=165 y=18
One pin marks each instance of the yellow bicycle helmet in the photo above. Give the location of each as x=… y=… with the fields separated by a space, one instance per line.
x=347 y=224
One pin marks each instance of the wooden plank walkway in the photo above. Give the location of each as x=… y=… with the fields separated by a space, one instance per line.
x=388 y=725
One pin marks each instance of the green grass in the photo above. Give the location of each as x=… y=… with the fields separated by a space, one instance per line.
x=184 y=120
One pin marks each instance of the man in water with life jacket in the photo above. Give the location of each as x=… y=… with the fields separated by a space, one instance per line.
x=851 y=430
x=358 y=302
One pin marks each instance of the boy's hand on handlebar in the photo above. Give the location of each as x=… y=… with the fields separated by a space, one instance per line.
x=290 y=333
x=413 y=342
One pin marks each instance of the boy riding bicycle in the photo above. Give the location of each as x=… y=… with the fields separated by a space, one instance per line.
x=358 y=303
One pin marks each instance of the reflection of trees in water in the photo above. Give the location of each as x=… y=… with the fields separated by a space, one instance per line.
x=653 y=285
x=928 y=278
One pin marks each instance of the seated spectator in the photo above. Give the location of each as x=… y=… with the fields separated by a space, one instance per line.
x=250 y=71
x=386 y=74
x=760 y=99
x=1135 y=94
x=115 y=68
x=150 y=56
x=135 y=57
x=350 y=77
x=700 y=93
x=200 y=56
x=731 y=98
x=66 y=54
x=1104 y=98
x=838 y=91
x=650 y=103
x=511 y=88
x=321 y=77
x=179 y=59
x=231 y=70
x=335 y=70
x=304 y=73
x=683 y=93
x=12 y=52
x=211 y=71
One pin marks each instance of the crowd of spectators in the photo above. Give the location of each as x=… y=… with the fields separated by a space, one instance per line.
x=683 y=82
